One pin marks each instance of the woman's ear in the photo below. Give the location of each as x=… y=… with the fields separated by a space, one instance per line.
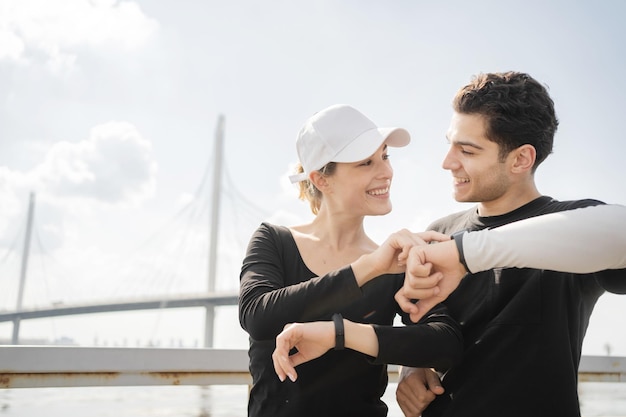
x=319 y=181
x=524 y=160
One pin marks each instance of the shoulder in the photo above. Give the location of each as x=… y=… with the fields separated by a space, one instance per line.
x=454 y=221
x=268 y=233
x=552 y=205
x=270 y=241
x=274 y=229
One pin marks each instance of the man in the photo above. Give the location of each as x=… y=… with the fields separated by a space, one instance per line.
x=523 y=327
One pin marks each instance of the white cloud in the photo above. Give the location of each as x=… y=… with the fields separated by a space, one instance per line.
x=55 y=28
x=114 y=165
x=11 y=45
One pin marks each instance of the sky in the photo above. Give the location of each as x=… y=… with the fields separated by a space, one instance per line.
x=109 y=112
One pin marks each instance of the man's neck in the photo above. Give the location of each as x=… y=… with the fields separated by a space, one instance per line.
x=507 y=203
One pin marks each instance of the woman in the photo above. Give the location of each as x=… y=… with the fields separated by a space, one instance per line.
x=331 y=268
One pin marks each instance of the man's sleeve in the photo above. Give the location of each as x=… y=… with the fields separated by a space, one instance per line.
x=581 y=241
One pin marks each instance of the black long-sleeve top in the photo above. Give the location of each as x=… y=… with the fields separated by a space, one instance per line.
x=523 y=329
x=277 y=288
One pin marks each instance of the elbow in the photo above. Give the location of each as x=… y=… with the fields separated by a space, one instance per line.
x=454 y=355
x=451 y=355
x=451 y=350
x=254 y=329
x=254 y=324
x=613 y=280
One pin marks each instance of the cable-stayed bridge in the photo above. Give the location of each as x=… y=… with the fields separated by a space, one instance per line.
x=146 y=303
x=173 y=249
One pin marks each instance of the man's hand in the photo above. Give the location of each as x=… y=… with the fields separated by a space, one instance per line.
x=417 y=388
x=432 y=273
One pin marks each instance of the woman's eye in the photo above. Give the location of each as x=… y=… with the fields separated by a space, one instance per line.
x=366 y=163
x=386 y=156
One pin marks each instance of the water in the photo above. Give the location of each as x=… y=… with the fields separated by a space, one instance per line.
x=160 y=401
x=605 y=399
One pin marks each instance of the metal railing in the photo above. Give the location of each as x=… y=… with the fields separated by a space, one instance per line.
x=63 y=366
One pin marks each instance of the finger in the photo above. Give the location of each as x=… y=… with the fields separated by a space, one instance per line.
x=432 y=236
x=418 y=282
x=410 y=238
x=413 y=399
x=423 y=307
x=283 y=365
x=409 y=409
x=421 y=294
x=416 y=256
x=288 y=367
x=402 y=257
x=278 y=366
x=434 y=383
x=405 y=252
x=405 y=303
x=419 y=270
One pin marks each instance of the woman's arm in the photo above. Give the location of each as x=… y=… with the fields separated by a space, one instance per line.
x=271 y=296
x=314 y=339
x=435 y=342
x=275 y=290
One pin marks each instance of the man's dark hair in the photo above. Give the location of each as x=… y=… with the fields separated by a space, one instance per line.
x=518 y=110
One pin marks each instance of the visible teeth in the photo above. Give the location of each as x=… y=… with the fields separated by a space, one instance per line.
x=380 y=191
x=461 y=180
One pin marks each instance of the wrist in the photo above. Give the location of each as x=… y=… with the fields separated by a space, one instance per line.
x=364 y=269
x=340 y=333
x=458 y=240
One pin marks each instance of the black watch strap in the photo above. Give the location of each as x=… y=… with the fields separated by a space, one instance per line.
x=339 y=332
x=458 y=239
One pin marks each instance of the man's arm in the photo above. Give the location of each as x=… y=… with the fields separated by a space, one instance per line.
x=583 y=240
x=579 y=241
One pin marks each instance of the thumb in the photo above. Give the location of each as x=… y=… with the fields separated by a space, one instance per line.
x=405 y=303
x=423 y=307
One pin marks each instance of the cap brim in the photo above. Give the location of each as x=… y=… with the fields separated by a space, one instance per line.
x=368 y=143
x=395 y=136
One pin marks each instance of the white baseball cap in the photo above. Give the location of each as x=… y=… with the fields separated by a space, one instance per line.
x=341 y=133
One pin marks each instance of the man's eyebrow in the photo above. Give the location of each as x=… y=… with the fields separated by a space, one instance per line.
x=464 y=143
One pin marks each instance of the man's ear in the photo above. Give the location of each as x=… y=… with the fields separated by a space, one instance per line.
x=523 y=158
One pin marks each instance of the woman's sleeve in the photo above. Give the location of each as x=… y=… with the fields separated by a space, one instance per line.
x=580 y=241
x=435 y=341
x=269 y=299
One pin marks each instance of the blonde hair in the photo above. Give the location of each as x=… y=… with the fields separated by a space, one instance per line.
x=309 y=192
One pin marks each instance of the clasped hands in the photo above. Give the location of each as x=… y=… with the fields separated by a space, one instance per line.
x=433 y=272
x=432 y=269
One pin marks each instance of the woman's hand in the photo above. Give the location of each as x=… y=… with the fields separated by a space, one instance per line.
x=392 y=255
x=420 y=238
x=311 y=339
